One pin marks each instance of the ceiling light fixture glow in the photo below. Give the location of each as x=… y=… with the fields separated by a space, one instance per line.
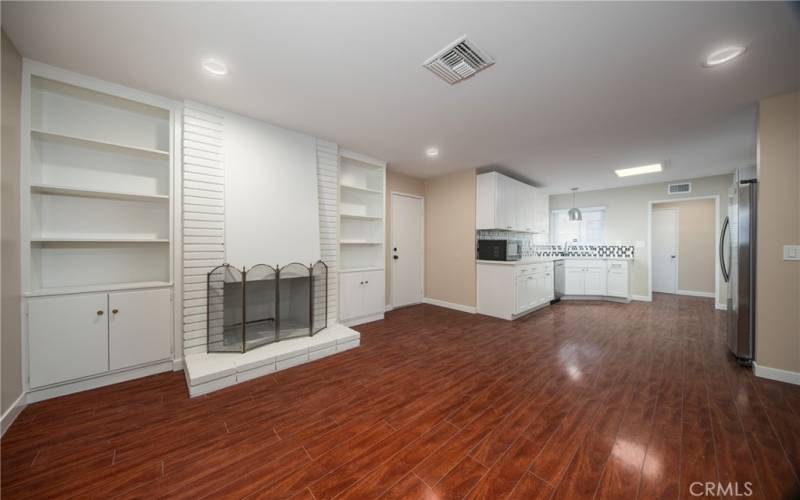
x=215 y=67
x=432 y=152
x=723 y=55
x=644 y=169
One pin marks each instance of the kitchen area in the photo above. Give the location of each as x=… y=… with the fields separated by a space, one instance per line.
x=520 y=271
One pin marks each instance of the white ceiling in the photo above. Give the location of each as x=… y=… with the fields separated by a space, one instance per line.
x=578 y=89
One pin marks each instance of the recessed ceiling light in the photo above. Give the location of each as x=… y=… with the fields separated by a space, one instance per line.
x=432 y=152
x=215 y=67
x=723 y=55
x=644 y=169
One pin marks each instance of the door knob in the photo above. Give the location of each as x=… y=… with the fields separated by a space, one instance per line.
x=100 y=312
x=114 y=311
x=395 y=257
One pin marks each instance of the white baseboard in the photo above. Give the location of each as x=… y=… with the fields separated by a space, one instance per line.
x=54 y=391
x=388 y=308
x=177 y=365
x=721 y=307
x=693 y=293
x=449 y=305
x=776 y=374
x=12 y=413
x=641 y=298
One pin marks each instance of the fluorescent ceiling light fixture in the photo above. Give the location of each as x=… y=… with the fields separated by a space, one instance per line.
x=644 y=169
x=215 y=67
x=723 y=55
x=432 y=152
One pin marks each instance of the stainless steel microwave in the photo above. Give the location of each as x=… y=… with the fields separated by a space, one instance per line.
x=499 y=249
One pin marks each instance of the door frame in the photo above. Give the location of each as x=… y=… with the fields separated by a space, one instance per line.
x=677 y=212
x=650 y=204
x=391 y=246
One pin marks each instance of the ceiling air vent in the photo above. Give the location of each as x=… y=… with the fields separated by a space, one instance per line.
x=458 y=61
x=680 y=188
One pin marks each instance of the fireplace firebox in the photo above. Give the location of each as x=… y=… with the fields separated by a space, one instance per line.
x=250 y=308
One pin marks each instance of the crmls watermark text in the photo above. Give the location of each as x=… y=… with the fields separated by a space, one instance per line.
x=709 y=489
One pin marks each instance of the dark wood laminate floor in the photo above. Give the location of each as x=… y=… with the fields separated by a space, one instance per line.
x=580 y=400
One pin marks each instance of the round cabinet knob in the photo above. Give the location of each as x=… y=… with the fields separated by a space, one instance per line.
x=367 y=282
x=100 y=312
x=114 y=311
x=396 y=257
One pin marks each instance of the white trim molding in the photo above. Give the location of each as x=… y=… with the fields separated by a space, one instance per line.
x=449 y=305
x=693 y=293
x=13 y=412
x=721 y=307
x=776 y=374
x=642 y=298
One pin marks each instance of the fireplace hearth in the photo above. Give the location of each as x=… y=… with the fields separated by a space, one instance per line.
x=254 y=307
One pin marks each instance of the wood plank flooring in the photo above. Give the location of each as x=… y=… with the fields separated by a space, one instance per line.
x=580 y=400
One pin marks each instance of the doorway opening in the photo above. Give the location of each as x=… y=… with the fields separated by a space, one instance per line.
x=683 y=247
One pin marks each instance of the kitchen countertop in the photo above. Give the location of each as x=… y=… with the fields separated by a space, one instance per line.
x=537 y=260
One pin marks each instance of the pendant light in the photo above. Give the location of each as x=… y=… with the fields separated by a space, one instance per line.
x=574 y=213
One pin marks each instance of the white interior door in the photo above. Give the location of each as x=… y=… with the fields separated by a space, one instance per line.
x=407 y=250
x=665 y=250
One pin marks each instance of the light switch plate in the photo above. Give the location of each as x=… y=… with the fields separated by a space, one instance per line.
x=791 y=252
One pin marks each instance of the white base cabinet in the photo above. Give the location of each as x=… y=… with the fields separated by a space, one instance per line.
x=595 y=278
x=71 y=337
x=361 y=296
x=509 y=291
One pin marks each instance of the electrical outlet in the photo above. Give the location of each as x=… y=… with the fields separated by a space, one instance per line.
x=791 y=252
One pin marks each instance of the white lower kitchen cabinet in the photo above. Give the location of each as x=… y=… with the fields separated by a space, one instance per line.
x=139 y=327
x=595 y=278
x=72 y=337
x=507 y=290
x=362 y=296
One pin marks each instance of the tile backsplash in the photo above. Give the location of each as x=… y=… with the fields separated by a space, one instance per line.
x=533 y=248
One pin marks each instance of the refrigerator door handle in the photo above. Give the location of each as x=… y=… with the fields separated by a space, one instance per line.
x=722 y=265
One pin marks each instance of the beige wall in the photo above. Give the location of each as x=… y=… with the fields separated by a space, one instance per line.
x=778 y=283
x=397 y=183
x=697 y=244
x=626 y=216
x=450 y=238
x=10 y=326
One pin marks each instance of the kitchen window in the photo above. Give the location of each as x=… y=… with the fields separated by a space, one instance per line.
x=589 y=231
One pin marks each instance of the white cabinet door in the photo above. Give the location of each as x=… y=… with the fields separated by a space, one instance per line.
x=139 y=327
x=350 y=295
x=596 y=280
x=618 y=284
x=374 y=291
x=506 y=208
x=527 y=207
x=549 y=286
x=574 y=281
x=67 y=338
x=486 y=201
x=523 y=294
x=541 y=212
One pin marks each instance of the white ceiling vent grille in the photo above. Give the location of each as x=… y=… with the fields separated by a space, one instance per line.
x=679 y=188
x=458 y=61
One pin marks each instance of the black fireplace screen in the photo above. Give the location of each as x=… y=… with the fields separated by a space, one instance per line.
x=264 y=304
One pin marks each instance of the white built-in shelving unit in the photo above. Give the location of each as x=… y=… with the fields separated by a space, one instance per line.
x=97 y=231
x=98 y=190
x=362 y=202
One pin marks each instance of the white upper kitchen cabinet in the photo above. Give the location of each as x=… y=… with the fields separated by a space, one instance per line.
x=507 y=204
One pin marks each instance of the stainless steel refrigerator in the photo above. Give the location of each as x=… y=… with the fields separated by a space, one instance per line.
x=737 y=249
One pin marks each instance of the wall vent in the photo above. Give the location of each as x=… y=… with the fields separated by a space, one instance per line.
x=458 y=61
x=679 y=188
